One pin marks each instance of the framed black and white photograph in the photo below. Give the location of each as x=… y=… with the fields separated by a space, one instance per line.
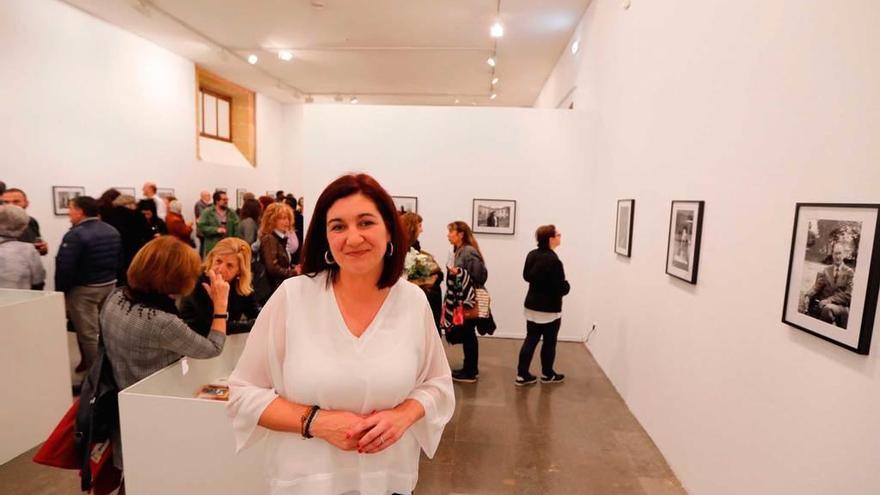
x=834 y=273
x=239 y=197
x=128 y=191
x=164 y=192
x=623 y=233
x=494 y=216
x=406 y=204
x=61 y=196
x=683 y=247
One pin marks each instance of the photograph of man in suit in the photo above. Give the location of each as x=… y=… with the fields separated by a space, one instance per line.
x=830 y=296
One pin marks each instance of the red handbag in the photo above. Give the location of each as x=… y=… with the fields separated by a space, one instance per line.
x=59 y=451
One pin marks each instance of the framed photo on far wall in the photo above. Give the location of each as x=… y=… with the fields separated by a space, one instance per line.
x=623 y=233
x=164 y=192
x=834 y=273
x=683 y=246
x=494 y=216
x=406 y=204
x=239 y=197
x=61 y=196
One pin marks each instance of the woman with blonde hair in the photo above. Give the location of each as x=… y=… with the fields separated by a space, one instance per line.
x=276 y=224
x=141 y=328
x=230 y=259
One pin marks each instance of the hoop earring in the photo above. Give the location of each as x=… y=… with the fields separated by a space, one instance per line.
x=328 y=259
x=389 y=250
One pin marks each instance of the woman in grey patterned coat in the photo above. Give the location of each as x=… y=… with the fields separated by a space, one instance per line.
x=141 y=327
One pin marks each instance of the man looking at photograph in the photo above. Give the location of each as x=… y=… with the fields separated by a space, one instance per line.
x=832 y=291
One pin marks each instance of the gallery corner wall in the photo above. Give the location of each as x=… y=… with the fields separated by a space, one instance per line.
x=88 y=104
x=750 y=106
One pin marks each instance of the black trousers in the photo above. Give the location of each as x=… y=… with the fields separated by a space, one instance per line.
x=534 y=332
x=471 y=347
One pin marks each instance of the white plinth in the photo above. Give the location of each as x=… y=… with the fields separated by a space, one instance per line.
x=173 y=443
x=34 y=366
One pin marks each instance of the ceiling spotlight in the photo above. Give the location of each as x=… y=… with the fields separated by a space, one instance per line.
x=493 y=96
x=491 y=61
x=353 y=100
x=575 y=47
x=457 y=101
x=285 y=55
x=252 y=59
x=497 y=30
x=337 y=98
x=310 y=99
x=494 y=81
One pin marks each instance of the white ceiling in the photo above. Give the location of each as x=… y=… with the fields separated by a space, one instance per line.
x=405 y=52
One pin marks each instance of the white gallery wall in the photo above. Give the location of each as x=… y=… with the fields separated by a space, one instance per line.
x=751 y=106
x=447 y=156
x=87 y=104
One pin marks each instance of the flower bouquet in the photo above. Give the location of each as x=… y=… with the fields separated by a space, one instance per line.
x=420 y=267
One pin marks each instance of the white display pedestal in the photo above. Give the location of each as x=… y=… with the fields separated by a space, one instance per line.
x=173 y=443
x=34 y=366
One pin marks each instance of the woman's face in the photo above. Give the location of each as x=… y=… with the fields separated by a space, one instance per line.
x=226 y=265
x=455 y=237
x=556 y=240
x=357 y=235
x=282 y=223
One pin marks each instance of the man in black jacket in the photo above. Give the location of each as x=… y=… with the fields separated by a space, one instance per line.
x=543 y=306
x=85 y=270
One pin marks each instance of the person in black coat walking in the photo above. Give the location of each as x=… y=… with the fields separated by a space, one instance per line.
x=543 y=306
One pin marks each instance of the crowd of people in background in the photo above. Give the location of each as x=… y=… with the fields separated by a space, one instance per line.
x=144 y=286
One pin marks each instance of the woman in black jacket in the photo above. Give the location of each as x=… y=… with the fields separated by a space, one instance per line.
x=543 y=307
x=231 y=260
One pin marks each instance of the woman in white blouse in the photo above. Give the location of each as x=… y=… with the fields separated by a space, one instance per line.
x=344 y=374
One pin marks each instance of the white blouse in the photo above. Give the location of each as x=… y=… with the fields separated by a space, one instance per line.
x=300 y=349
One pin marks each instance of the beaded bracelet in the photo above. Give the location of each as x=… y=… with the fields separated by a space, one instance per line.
x=306 y=430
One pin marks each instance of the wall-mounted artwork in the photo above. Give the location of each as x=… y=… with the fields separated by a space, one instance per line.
x=683 y=247
x=406 y=204
x=623 y=233
x=130 y=191
x=239 y=197
x=220 y=189
x=834 y=273
x=164 y=192
x=61 y=196
x=494 y=216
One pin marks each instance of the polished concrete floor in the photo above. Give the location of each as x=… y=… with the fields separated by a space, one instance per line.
x=576 y=437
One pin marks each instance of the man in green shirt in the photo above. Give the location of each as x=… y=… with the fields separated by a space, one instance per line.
x=218 y=222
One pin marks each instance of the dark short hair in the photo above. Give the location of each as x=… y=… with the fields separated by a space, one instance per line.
x=87 y=204
x=544 y=234
x=315 y=245
x=217 y=195
x=147 y=204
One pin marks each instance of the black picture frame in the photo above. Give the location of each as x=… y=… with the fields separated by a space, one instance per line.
x=493 y=216
x=684 y=239
x=623 y=227
x=821 y=233
x=406 y=204
x=61 y=196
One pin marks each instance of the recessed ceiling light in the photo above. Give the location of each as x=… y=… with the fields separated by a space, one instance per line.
x=493 y=96
x=252 y=59
x=337 y=98
x=491 y=61
x=285 y=55
x=575 y=47
x=310 y=99
x=497 y=30
x=457 y=101
x=354 y=100
x=494 y=81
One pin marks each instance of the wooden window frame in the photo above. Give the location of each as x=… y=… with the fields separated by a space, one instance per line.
x=228 y=100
